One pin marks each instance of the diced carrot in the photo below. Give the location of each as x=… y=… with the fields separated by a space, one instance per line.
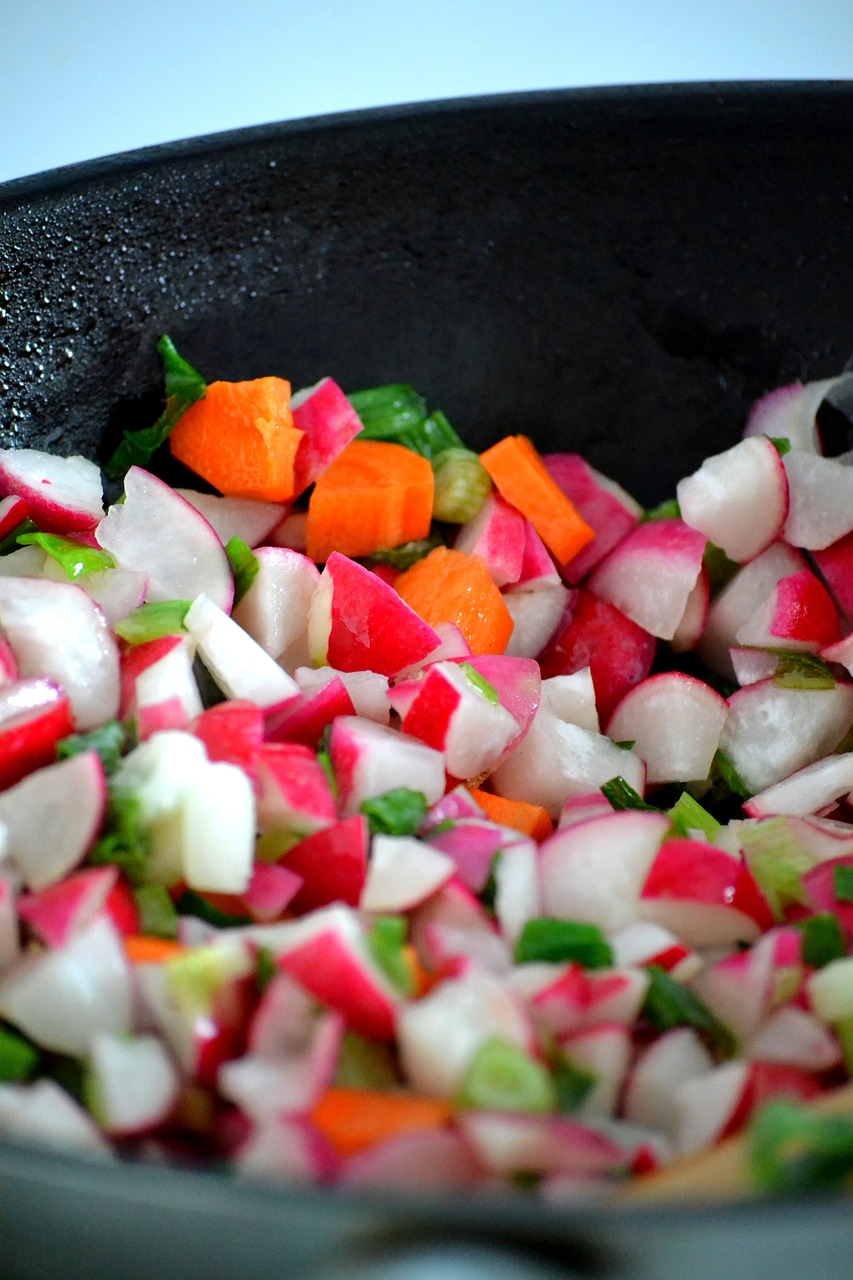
x=523 y=480
x=450 y=586
x=241 y=439
x=423 y=979
x=374 y=495
x=521 y=815
x=142 y=949
x=355 y=1119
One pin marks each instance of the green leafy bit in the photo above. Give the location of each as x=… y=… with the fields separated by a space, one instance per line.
x=823 y=939
x=157 y=914
x=781 y=444
x=719 y=567
x=688 y=815
x=197 y=976
x=561 y=940
x=800 y=670
x=191 y=903
x=572 y=1083
x=126 y=842
x=462 y=485
x=668 y=510
x=669 y=1004
x=730 y=776
x=184 y=385
x=75 y=559
x=489 y=892
x=386 y=940
x=265 y=968
x=364 y=1064
x=109 y=740
x=440 y=435
x=502 y=1077
x=152 y=621
x=12 y=540
x=407 y=553
x=244 y=565
x=19 y=1059
x=793 y=1150
x=842 y=882
x=389 y=412
x=777 y=860
x=623 y=796
x=398 y=812
x=325 y=760
x=480 y=683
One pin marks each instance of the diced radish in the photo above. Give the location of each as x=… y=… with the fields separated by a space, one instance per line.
x=798 y=614
x=649 y=943
x=795 y=1038
x=133 y=1083
x=517 y=1143
x=604 y=505
x=169 y=679
x=55 y=630
x=331 y=863
x=651 y=573
x=597 y=635
x=243 y=518
x=738 y=499
x=369 y=759
x=770 y=731
x=367 y=689
x=695 y=616
x=274 y=609
x=536 y=614
x=237 y=663
x=116 y=592
x=572 y=698
x=675 y=722
x=835 y=563
x=157 y=532
x=752 y=665
x=590 y=804
x=667 y=1063
x=471 y=844
x=288 y=1148
x=457 y=803
x=44 y=1112
x=304 y=719
x=63 y=494
x=451 y=713
x=292 y=1081
x=708 y=1105
x=34 y=716
x=53 y=816
x=789 y=412
x=270 y=890
x=578 y=998
x=233 y=732
x=518 y=896
x=596 y=871
x=9 y=934
x=840 y=652
x=819 y=890
x=821 y=500
x=537 y=567
x=430 y=1160
x=218 y=829
x=497 y=535
x=807 y=790
x=604 y=1051
x=293 y=790
x=328 y=421
x=13 y=511
x=403 y=872
x=62 y=998
x=701 y=893
x=831 y=990
x=64 y=908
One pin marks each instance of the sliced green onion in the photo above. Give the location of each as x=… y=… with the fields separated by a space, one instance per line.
x=793 y=1150
x=184 y=385
x=730 y=776
x=719 y=567
x=559 y=940
x=489 y=892
x=502 y=1077
x=109 y=740
x=191 y=903
x=73 y=558
x=390 y=412
x=364 y=1064
x=196 y=976
x=668 y=1004
x=842 y=882
x=823 y=939
x=126 y=842
x=265 y=968
x=408 y=553
x=480 y=683
x=781 y=444
x=689 y=815
x=440 y=434
x=800 y=670
x=572 y=1083
x=157 y=914
x=19 y=1059
x=398 y=812
x=324 y=759
x=244 y=564
x=623 y=796
x=152 y=621
x=12 y=540
x=778 y=861
x=667 y=510
x=385 y=941
x=462 y=485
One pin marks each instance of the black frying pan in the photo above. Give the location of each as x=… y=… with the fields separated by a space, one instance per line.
x=619 y=272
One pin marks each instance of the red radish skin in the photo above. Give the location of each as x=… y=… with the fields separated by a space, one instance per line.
x=34 y=716
x=835 y=563
x=706 y=897
x=64 y=495
x=13 y=511
x=63 y=908
x=497 y=535
x=604 y=505
x=331 y=864
x=232 y=732
x=675 y=722
x=328 y=421
x=305 y=718
x=798 y=614
x=738 y=499
x=369 y=759
x=651 y=574
x=293 y=789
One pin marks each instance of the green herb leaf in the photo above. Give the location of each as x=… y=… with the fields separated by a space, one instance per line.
x=109 y=740
x=364 y=1064
x=480 y=683
x=842 y=882
x=823 y=939
x=777 y=860
x=668 y=1004
x=184 y=385
x=19 y=1059
x=75 y=559
x=689 y=815
x=152 y=621
x=801 y=670
x=781 y=444
x=398 y=812
x=126 y=842
x=730 y=776
x=793 y=1150
x=623 y=796
x=408 y=553
x=462 y=485
x=391 y=412
x=12 y=540
x=719 y=567
x=559 y=940
x=668 y=510
x=572 y=1083
x=385 y=941
x=489 y=892
x=244 y=565
x=502 y=1077
x=157 y=914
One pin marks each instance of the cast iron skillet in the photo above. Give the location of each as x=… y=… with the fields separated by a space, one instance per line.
x=614 y=271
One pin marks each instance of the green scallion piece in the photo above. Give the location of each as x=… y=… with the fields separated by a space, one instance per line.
x=109 y=740
x=407 y=553
x=388 y=412
x=502 y=1077
x=184 y=385
x=385 y=942
x=398 y=812
x=668 y=1004
x=152 y=621
x=842 y=882
x=558 y=941
x=572 y=1083
x=823 y=939
x=157 y=914
x=688 y=815
x=719 y=567
x=778 y=861
x=730 y=776
x=623 y=796
x=480 y=683
x=462 y=485
x=793 y=1150
x=667 y=510
x=19 y=1059
x=244 y=565
x=126 y=842
x=12 y=540
x=191 y=903
x=73 y=558
x=364 y=1064
x=781 y=444
x=801 y=670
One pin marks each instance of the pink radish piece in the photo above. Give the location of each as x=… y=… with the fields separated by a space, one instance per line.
x=649 y=943
x=331 y=864
x=798 y=614
x=432 y=1160
x=45 y=1113
x=232 y=732
x=821 y=494
x=305 y=718
x=63 y=494
x=367 y=689
x=807 y=790
x=133 y=1083
x=270 y=890
x=497 y=535
x=356 y=621
x=292 y=1079
x=795 y=1038
x=595 y=871
x=675 y=722
x=53 y=816
x=55 y=630
x=578 y=998
x=136 y=658
x=695 y=616
x=34 y=716
x=64 y=908
x=667 y=1063
x=293 y=790
x=170 y=678
x=116 y=592
x=403 y=872
x=752 y=665
x=9 y=934
x=369 y=759
x=239 y=665
x=13 y=511
x=452 y=714
x=789 y=412
x=605 y=1051
x=518 y=897
x=651 y=574
x=274 y=609
x=835 y=563
x=243 y=518
x=770 y=732
x=157 y=532
x=738 y=499
x=536 y=614
x=701 y=893
x=471 y=845
x=289 y=1148
x=507 y=1144
x=604 y=505
x=537 y=567
x=329 y=422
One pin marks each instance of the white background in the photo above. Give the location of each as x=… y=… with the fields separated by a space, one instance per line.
x=85 y=78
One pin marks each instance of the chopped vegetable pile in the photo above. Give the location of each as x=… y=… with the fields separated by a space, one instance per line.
x=401 y=816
